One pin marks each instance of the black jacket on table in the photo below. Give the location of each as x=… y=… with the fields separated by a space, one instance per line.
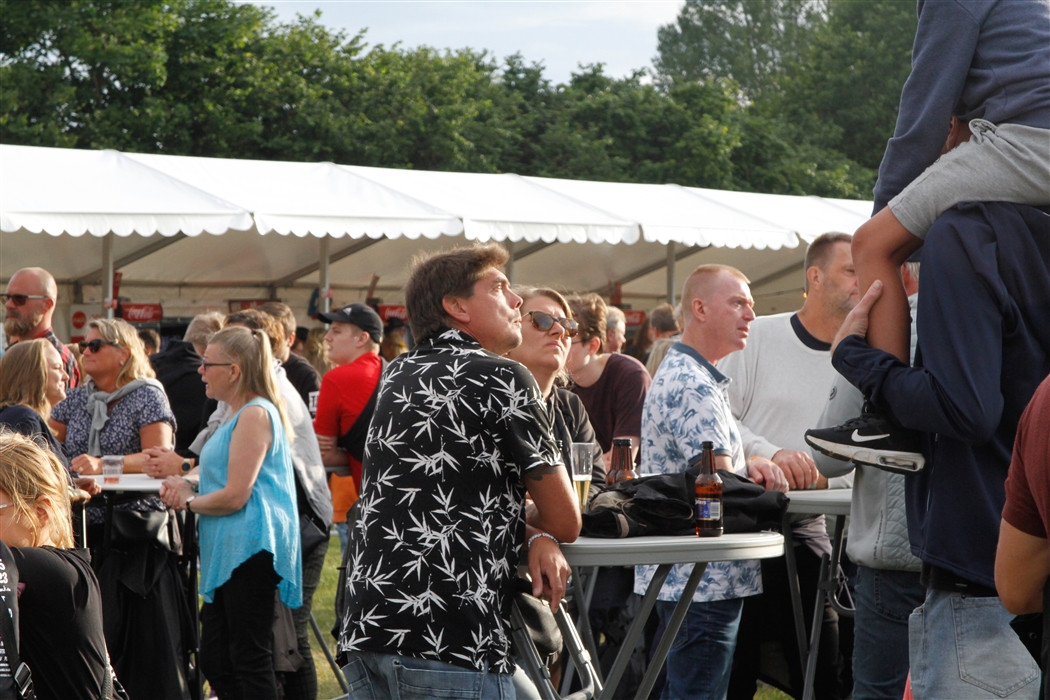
x=984 y=347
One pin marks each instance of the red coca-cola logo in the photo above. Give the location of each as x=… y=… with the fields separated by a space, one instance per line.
x=79 y=319
x=389 y=311
x=635 y=317
x=143 y=313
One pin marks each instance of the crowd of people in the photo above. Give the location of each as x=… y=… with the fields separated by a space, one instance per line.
x=440 y=449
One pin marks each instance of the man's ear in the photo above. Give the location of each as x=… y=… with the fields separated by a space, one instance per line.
x=698 y=309
x=455 y=309
x=814 y=276
x=593 y=344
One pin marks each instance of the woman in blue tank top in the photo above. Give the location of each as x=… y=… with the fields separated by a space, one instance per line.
x=248 y=519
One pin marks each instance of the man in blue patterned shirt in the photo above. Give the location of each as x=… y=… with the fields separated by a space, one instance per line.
x=688 y=404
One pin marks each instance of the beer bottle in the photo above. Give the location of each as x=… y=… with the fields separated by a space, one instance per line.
x=622 y=467
x=708 y=490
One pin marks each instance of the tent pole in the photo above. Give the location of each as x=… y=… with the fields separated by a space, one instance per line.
x=107 y=275
x=326 y=301
x=670 y=273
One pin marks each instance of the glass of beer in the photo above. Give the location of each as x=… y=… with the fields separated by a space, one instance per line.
x=112 y=468
x=582 y=464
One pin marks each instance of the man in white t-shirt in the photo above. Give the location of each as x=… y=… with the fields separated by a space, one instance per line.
x=780 y=386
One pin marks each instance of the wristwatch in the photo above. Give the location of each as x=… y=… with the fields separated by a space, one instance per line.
x=186 y=466
x=188 y=502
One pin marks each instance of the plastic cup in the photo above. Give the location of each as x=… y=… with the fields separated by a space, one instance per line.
x=112 y=468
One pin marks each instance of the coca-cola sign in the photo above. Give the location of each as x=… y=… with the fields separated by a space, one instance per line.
x=389 y=311
x=143 y=313
x=635 y=317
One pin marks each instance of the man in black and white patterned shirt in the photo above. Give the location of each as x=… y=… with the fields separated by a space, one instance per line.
x=459 y=435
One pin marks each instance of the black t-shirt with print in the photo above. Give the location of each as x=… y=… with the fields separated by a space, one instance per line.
x=434 y=554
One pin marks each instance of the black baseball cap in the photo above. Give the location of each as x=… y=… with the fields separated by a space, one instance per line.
x=361 y=315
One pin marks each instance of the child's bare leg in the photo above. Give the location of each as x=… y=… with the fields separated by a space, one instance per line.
x=880 y=247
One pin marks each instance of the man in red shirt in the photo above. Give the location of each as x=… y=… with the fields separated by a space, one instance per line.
x=353 y=346
x=29 y=305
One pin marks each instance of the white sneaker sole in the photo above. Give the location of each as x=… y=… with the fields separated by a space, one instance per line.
x=888 y=460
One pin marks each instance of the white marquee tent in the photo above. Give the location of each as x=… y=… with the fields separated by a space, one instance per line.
x=194 y=232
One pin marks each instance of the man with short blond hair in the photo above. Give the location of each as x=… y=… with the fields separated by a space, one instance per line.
x=29 y=305
x=687 y=405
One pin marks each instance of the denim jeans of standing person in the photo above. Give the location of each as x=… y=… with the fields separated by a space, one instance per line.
x=963 y=647
x=237 y=633
x=701 y=657
x=884 y=601
x=375 y=676
x=302 y=685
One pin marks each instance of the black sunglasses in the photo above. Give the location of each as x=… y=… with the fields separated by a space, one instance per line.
x=544 y=322
x=95 y=345
x=21 y=299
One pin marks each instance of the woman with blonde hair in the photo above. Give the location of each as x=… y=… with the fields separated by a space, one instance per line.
x=316 y=352
x=249 y=522
x=33 y=378
x=120 y=410
x=59 y=604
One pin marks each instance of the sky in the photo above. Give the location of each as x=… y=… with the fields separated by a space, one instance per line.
x=561 y=33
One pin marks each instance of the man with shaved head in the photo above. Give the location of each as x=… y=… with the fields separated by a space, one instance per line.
x=688 y=404
x=29 y=305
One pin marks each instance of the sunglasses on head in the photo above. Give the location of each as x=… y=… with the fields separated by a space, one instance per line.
x=95 y=345
x=21 y=299
x=544 y=322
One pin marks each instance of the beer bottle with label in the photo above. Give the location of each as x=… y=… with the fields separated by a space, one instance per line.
x=708 y=490
x=622 y=467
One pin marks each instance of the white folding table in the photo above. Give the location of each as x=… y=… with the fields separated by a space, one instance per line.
x=663 y=552
x=834 y=503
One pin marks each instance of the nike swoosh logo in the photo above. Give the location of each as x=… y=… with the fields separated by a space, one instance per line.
x=857 y=437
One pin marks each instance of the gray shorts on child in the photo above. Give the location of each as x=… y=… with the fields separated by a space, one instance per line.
x=1006 y=163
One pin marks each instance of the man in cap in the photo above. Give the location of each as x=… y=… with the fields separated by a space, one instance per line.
x=346 y=391
x=29 y=305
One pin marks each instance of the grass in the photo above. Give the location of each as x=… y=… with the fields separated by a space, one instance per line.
x=324 y=612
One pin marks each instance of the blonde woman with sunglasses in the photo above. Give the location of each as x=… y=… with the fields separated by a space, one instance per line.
x=121 y=410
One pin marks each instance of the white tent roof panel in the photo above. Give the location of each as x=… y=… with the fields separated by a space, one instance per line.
x=308 y=198
x=62 y=190
x=506 y=207
x=807 y=216
x=671 y=213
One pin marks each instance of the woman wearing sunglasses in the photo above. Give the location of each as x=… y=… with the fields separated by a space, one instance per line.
x=121 y=410
x=547 y=329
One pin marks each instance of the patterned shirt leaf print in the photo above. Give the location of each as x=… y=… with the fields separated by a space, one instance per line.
x=686 y=405
x=434 y=553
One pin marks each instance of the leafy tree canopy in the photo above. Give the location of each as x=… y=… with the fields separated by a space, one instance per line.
x=211 y=78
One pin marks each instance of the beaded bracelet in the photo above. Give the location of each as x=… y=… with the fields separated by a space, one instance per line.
x=542 y=534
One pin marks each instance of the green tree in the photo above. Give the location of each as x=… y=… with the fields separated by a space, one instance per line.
x=847 y=89
x=749 y=41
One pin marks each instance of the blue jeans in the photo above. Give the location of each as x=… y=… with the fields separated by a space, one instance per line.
x=963 y=647
x=884 y=600
x=701 y=656
x=375 y=676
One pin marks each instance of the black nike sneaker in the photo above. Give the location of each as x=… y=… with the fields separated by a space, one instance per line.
x=873 y=440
